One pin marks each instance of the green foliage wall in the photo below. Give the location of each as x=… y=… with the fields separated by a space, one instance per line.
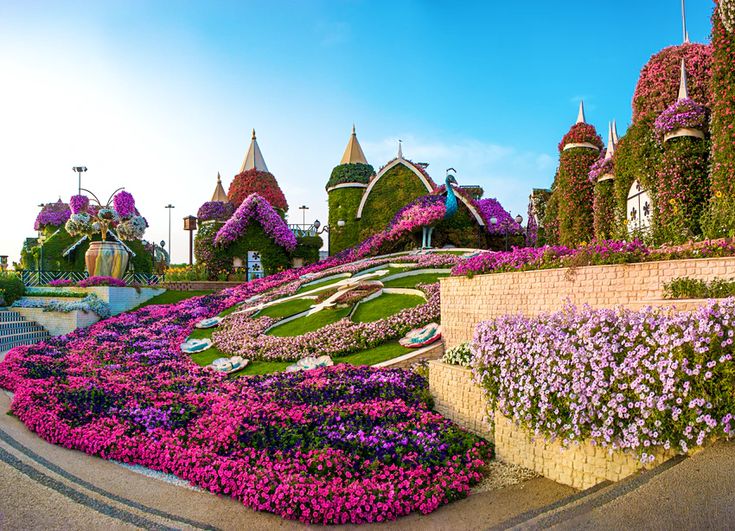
x=461 y=230
x=636 y=157
x=680 y=189
x=604 y=210
x=398 y=187
x=576 y=195
x=343 y=204
x=721 y=216
x=218 y=260
x=551 y=217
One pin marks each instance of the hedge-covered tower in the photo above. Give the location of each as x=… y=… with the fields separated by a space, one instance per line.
x=602 y=174
x=254 y=178
x=578 y=151
x=345 y=189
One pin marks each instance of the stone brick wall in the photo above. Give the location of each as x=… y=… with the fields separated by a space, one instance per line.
x=59 y=323
x=199 y=285
x=468 y=301
x=579 y=465
x=457 y=398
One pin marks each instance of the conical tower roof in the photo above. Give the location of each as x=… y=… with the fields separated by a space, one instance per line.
x=683 y=86
x=610 y=142
x=353 y=152
x=254 y=159
x=581 y=119
x=219 y=192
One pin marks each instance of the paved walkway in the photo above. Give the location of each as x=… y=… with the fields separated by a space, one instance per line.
x=43 y=486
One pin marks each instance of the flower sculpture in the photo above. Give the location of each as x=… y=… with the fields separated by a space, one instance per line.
x=258 y=182
x=256 y=208
x=602 y=166
x=117 y=213
x=52 y=215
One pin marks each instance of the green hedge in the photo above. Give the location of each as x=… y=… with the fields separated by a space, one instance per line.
x=576 y=196
x=11 y=288
x=351 y=173
x=604 y=210
x=343 y=204
x=395 y=189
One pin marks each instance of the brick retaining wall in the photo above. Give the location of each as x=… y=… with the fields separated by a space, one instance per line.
x=468 y=301
x=200 y=285
x=458 y=399
x=579 y=465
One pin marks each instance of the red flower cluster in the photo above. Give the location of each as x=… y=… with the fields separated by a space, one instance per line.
x=258 y=182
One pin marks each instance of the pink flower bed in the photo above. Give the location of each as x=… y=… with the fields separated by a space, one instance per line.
x=334 y=445
x=101 y=281
x=256 y=208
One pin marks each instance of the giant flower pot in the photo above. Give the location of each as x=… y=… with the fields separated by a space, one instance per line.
x=107 y=259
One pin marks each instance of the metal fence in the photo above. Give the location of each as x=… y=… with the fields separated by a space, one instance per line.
x=40 y=278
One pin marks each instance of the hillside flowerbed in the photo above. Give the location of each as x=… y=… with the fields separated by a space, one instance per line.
x=628 y=380
x=334 y=445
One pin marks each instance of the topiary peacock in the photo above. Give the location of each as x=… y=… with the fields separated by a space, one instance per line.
x=451 y=205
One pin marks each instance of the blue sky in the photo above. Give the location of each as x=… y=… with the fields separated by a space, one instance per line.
x=160 y=96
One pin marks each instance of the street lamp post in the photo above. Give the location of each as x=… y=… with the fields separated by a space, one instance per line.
x=303 y=209
x=169 y=207
x=80 y=170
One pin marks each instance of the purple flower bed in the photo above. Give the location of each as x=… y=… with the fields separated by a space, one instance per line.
x=683 y=114
x=330 y=446
x=52 y=215
x=548 y=257
x=101 y=281
x=215 y=211
x=61 y=282
x=628 y=380
x=491 y=208
x=256 y=208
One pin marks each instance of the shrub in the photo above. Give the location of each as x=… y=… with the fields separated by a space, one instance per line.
x=12 y=286
x=693 y=288
x=186 y=273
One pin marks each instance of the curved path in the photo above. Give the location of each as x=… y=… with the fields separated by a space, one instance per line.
x=43 y=486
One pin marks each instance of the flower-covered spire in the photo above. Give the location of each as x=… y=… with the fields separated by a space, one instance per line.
x=353 y=152
x=580 y=115
x=610 y=142
x=254 y=158
x=219 y=192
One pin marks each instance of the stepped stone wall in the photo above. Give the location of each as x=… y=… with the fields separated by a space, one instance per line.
x=467 y=301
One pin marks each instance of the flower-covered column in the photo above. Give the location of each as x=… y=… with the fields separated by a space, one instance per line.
x=603 y=177
x=721 y=218
x=579 y=149
x=681 y=185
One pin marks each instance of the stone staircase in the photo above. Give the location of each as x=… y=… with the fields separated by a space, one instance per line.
x=16 y=330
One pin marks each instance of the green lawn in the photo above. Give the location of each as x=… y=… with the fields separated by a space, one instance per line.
x=171 y=296
x=323 y=283
x=286 y=309
x=310 y=323
x=375 y=355
x=384 y=306
x=414 y=280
